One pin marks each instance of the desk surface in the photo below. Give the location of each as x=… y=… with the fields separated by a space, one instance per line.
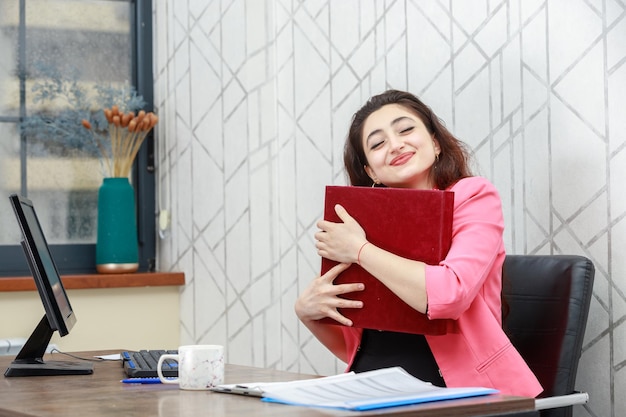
x=102 y=394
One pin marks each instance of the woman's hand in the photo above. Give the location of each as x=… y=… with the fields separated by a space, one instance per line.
x=340 y=242
x=320 y=299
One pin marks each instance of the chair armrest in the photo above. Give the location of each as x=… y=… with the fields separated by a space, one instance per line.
x=561 y=400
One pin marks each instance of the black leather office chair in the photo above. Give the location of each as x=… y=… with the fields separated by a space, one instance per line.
x=545 y=307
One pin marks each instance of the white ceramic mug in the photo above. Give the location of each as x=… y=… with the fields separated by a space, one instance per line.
x=200 y=367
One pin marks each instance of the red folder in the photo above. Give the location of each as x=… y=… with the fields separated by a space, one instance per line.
x=415 y=224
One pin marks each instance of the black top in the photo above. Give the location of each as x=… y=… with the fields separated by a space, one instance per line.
x=381 y=349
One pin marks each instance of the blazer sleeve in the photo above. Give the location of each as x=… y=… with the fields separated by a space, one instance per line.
x=477 y=247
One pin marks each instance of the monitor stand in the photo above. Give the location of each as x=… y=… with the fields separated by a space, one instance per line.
x=29 y=361
x=48 y=368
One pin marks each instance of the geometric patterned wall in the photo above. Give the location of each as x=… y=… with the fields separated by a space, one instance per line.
x=255 y=97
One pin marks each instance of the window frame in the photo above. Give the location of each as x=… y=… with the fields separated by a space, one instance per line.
x=81 y=258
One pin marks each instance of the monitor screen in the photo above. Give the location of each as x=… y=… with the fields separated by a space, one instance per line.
x=43 y=268
x=58 y=316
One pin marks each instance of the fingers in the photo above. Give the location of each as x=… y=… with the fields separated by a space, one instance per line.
x=342 y=213
x=338 y=289
x=323 y=225
x=338 y=317
x=348 y=288
x=335 y=271
x=323 y=298
x=342 y=303
x=346 y=303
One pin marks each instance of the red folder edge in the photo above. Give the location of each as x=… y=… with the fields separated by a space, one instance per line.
x=425 y=235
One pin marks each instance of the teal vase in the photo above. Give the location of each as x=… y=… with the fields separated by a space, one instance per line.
x=116 y=248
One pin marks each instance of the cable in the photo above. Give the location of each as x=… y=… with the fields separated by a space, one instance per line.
x=53 y=350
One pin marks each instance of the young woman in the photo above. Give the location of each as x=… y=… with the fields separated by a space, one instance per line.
x=395 y=140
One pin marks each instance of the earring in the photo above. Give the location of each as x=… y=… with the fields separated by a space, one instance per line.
x=375 y=183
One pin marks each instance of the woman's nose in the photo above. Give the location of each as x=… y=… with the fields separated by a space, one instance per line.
x=396 y=142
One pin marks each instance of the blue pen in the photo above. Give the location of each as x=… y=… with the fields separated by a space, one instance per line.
x=151 y=380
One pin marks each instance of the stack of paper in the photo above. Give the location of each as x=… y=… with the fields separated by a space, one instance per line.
x=381 y=388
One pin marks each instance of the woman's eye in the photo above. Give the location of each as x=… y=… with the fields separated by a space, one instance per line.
x=376 y=145
x=407 y=130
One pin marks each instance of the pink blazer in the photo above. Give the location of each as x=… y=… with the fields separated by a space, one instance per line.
x=466 y=287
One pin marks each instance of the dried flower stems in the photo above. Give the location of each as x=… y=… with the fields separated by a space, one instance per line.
x=126 y=132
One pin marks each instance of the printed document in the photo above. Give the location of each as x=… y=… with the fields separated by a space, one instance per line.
x=388 y=387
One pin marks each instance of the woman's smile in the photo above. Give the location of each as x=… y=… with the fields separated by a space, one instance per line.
x=402 y=158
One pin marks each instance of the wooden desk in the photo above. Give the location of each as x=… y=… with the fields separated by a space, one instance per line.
x=102 y=394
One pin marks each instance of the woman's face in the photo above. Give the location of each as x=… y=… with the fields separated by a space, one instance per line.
x=399 y=149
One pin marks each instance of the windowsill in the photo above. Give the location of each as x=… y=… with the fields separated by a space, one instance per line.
x=72 y=282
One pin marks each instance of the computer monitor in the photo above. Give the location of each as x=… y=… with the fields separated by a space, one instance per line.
x=58 y=316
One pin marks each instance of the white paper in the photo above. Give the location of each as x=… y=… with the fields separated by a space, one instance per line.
x=367 y=390
x=113 y=357
x=258 y=388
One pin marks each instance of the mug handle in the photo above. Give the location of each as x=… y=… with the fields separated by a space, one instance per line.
x=163 y=379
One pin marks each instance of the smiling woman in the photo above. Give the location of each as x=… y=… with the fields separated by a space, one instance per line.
x=103 y=43
x=395 y=140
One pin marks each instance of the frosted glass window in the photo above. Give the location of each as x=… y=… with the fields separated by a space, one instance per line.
x=51 y=49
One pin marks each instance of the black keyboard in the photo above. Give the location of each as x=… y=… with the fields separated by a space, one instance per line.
x=143 y=364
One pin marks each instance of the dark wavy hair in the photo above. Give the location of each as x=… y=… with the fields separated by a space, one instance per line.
x=454 y=158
